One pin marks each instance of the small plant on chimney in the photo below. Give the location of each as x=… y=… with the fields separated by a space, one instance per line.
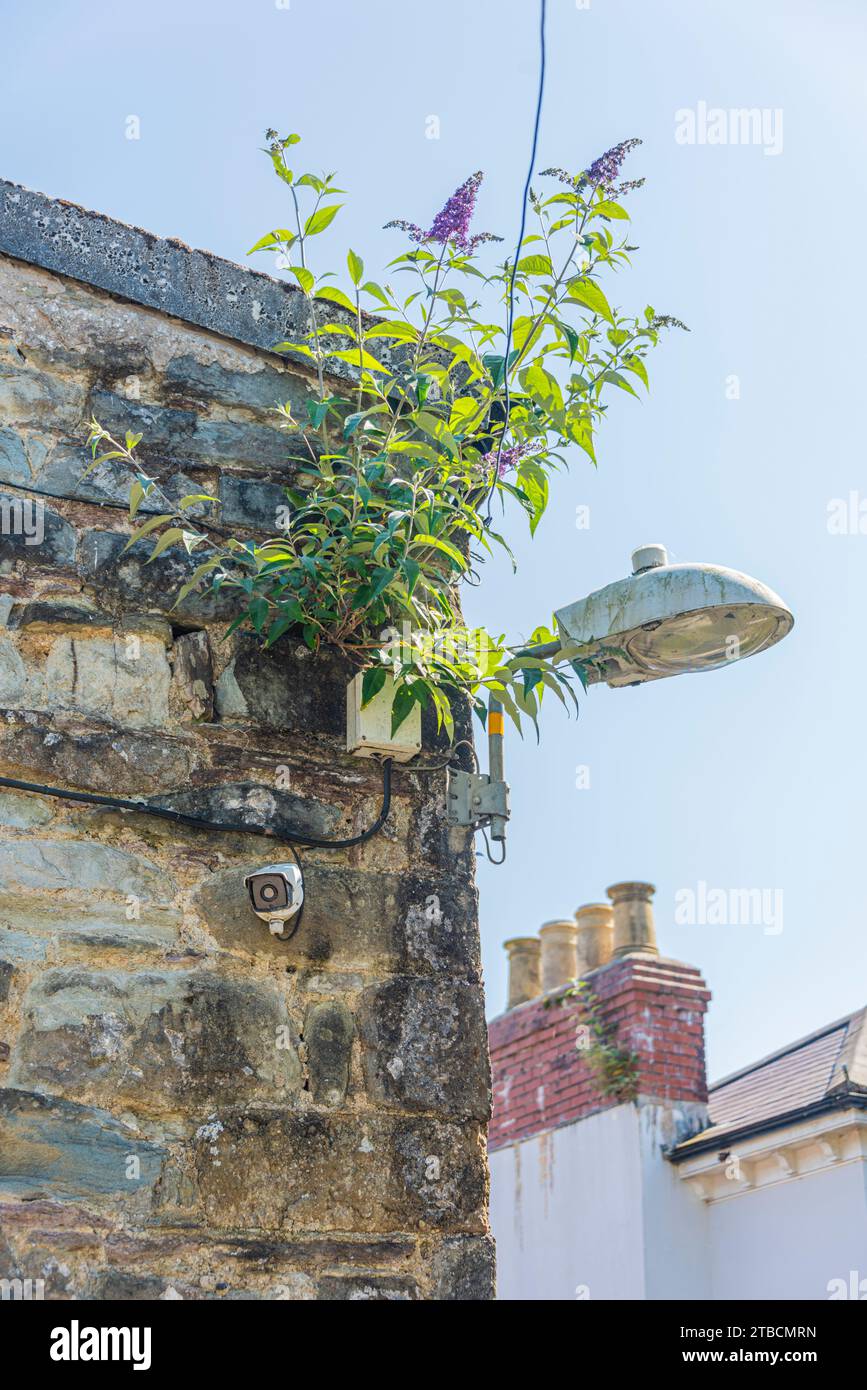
x=615 y=1068
x=420 y=421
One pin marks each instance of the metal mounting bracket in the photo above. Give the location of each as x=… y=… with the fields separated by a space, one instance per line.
x=472 y=798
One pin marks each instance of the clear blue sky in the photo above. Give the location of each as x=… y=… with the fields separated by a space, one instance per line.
x=751 y=777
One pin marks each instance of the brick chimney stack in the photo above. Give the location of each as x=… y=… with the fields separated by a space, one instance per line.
x=649 y=1008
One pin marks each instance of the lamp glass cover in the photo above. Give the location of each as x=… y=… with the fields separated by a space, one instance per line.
x=704 y=639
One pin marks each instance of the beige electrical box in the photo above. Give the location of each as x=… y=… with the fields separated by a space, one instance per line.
x=368 y=730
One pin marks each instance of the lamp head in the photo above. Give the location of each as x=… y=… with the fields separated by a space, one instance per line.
x=666 y=619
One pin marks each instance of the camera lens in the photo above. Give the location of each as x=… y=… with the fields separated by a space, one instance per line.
x=270 y=892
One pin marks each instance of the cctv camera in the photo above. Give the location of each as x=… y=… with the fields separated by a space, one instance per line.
x=276 y=894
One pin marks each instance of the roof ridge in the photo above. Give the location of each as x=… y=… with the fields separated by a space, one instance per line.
x=789 y=1048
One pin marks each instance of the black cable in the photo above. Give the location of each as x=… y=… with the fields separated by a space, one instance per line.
x=225 y=827
x=440 y=767
x=494 y=861
x=296 y=920
x=510 y=317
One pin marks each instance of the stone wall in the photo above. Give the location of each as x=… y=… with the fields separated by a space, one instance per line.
x=191 y=1107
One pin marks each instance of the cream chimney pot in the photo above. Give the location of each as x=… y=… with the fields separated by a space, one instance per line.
x=559 y=954
x=595 y=923
x=634 y=929
x=524 y=982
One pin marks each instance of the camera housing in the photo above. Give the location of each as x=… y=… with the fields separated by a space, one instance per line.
x=276 y=895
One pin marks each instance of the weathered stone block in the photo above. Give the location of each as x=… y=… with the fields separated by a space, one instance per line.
x=189 y=381
x=129 y=582
x=23 y=810
x=32 y=397
x=13 y=674
x=56 y=1147
x=329 y=1031
x=54 y=547
x=192 y=694
x=121 y=763
x=425 y=1046
x=37 y=867
x=278 y=1170
x=239 y=803
x=192 y=1037
x=463 y=1269
x=182 y=437
x=101 y=926
x=250 y=502
x=126 y=681
x=64 y=468
x=277 y=687
x=14 y=461
x=16 y=946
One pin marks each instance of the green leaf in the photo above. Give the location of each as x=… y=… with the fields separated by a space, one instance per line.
x=531 y=677
x=588 y=293
x=150 y=525
x=356 y=267
x=535 y=265
x=258 y=612
x=169 y=537
x=357 y=357
x=617 y=380
x=278 y=627
x=336 y=296
x=534 y=481
x=395 y=328
x=636 y=365
x=371 y=683
x=544 y=387
x=435 y=543
x=137 y=494
x=304 y=277
x=464 y=410
x=411 y=570
x=377 y=292
x=609 y=209
x=192 y=498
x=404 y=698
x=321 y=218
x=282 y=237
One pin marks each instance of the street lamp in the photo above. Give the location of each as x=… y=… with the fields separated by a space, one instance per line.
x=662 y=620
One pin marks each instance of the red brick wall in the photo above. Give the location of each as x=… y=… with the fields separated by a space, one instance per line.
x=540 y=1077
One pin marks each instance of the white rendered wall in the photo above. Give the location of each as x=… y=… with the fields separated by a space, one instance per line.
x=790 y=1240
x=595 y=1210
x=676 y=1231
x=566 y=1211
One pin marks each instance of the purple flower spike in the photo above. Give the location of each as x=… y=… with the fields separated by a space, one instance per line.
x=413 y=232
x=605 y=170
x=509 y=458
x=452 y=222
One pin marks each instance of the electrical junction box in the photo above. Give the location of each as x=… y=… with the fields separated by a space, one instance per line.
x=368 y=730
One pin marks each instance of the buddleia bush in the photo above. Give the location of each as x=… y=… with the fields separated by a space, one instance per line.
x=435 y=408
